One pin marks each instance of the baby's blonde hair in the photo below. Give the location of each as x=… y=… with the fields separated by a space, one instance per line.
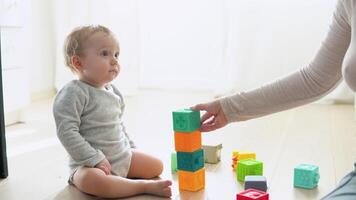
x=74 y=42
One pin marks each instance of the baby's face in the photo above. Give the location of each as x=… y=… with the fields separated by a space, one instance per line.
x=100 y=64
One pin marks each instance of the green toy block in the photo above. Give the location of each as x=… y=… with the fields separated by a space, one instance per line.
x=190 y=161
x=186 y=120
x=306 y=176
x=174 y=168
x=248 y=167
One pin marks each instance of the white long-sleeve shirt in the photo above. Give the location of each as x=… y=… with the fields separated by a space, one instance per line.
x=335 y=60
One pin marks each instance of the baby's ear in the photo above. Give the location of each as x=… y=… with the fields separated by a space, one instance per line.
x=77 y=63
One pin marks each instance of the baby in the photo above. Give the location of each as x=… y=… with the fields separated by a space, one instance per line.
x=88 y=114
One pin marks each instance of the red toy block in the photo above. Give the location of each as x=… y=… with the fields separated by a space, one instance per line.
x=252 y=194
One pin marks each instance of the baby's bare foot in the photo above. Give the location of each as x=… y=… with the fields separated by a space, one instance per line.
x=159 y=187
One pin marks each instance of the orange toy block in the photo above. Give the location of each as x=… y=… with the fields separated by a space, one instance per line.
x=191 y=181
x=187 y=142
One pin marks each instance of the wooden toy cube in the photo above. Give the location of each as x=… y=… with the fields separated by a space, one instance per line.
x=187 y=142
x=306 y=176
x=191 y=181
x=248 y=167
x=256 y=182
x=190 y=161
x=174 y=168
x=212 y=153
x=252 y=194
x=186 y=120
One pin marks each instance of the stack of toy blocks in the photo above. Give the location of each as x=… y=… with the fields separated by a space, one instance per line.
x=306 y=176
x=188 y=144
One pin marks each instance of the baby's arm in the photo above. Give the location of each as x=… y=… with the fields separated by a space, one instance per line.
x=67 y=110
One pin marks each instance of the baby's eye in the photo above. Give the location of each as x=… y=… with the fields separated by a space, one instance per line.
x=116 y=55
x=104 y=53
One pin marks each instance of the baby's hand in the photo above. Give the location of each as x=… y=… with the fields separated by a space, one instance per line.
x=105 y=166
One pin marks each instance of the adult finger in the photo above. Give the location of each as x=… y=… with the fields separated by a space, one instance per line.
x=199 y=107
x=205 y=117
x=208 y=127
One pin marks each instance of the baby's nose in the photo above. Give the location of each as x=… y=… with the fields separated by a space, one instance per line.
x=114 y=61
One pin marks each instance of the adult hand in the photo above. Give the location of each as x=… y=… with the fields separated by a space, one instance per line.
x=214 y=118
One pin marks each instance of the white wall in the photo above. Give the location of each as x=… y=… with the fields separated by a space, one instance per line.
x=204 y=44
x=270 y=39
x=30 y=46
x=181 y=43
x=41 y=65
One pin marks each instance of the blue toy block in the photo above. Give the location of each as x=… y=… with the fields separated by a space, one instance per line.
x=306 y=176
x=186 y=120
x=190 y=161
x=256 y=182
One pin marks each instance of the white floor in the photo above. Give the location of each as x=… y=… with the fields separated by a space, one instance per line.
x=324 y=135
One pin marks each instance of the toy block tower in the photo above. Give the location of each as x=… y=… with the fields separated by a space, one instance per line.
x=188 y=144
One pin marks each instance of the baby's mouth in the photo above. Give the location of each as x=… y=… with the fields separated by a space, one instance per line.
x=114 y=71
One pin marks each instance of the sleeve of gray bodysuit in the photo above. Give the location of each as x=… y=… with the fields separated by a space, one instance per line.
x=67 y=109
x=308 y=84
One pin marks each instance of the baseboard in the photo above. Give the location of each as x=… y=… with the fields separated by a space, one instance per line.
x=16 y=116
x=13 y=117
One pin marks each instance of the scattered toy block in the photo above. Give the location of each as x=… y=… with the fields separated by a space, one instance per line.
x=187 y=142
x=238 y=155
x=256 y=182
x=190 y=161
x=234 y=163
x=248 y=167
x=212 y=153
x=235 y=153
x=234 y=159
x=252 y=194
x=186 y=120
x=306 y=176
x=191 y=181
x=174 y=168
x=246 y=155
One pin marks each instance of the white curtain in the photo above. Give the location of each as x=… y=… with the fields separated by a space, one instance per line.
x=216 y=45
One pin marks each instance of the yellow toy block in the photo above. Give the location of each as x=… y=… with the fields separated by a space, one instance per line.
x=191 y=181
x=246 y=155
x=187 y=141
x=235 y=154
